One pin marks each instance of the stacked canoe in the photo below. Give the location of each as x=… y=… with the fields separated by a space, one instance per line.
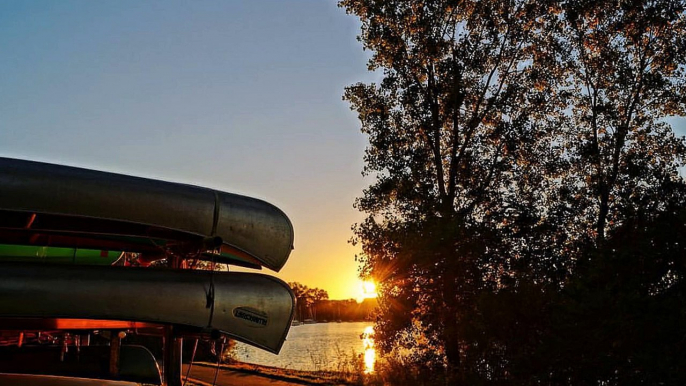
x=64 y=232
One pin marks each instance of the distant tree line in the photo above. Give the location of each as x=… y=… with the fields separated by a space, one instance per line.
x=307 y=300
x=349 y=310
x=527 y=219
x=314 y=303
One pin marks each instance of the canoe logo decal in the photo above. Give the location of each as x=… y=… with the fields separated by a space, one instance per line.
x=253 y=317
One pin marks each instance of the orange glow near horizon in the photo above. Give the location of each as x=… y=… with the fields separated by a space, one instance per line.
x=337 y=274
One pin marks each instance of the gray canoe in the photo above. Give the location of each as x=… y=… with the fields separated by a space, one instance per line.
x=72 y=202
x=253 y=308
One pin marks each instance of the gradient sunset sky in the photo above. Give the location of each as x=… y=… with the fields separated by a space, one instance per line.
x=243 y=97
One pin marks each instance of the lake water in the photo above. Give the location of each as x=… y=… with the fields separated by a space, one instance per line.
x=321 y=346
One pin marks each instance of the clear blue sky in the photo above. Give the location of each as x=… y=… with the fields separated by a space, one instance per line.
x=240 y=96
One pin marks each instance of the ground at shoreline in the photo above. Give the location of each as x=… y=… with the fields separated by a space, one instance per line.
x=203 y=376
x=255 y=375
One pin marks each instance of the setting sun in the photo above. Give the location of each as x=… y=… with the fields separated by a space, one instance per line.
x=367 y=290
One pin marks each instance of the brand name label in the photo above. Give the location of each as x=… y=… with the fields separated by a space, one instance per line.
x=253 y=317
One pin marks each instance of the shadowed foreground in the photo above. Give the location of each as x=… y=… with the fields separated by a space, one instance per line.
x=205 y=375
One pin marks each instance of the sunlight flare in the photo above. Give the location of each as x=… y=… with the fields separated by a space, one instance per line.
x=367 y=290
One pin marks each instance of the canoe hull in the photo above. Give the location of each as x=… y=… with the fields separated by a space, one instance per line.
x=252 y=308
x=250 y=225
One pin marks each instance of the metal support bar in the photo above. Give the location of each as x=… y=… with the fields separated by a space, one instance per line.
x=115 y=348
x=172 y=357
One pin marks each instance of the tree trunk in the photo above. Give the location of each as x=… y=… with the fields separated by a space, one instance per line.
x=450 y=333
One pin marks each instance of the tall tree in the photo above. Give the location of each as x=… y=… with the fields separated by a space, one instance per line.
x=626 y=74
x=307 y=299
x=318 y=295
x=302 y=300
x=447 y=125
x=622 y=194
x=508 y=139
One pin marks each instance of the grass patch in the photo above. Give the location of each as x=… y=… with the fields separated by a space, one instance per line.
x=349 y=372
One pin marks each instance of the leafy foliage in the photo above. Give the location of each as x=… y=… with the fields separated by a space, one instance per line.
x=307 y=300
x=517 y=147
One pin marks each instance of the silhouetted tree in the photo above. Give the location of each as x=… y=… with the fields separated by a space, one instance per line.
x=507 y=140
x=318 y=295
x=306 y=299
x=447 y=126
x=625 y=66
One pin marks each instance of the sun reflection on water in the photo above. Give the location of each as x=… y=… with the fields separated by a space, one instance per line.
x=369 y=351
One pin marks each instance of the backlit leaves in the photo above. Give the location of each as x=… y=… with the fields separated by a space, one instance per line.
x=509 y=142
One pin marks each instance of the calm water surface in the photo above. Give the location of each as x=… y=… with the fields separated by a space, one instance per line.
x=321 y=346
